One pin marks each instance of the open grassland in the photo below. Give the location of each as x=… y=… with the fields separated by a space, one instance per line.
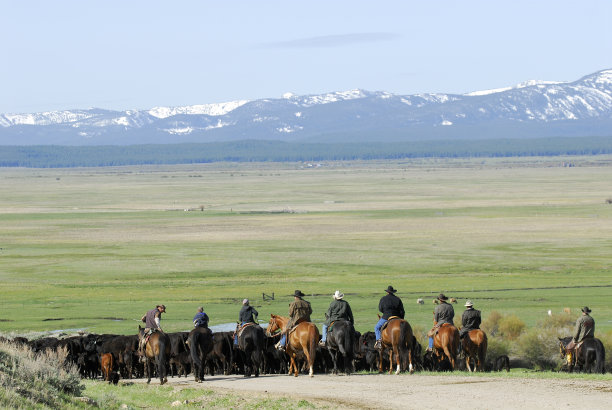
x=95 y=248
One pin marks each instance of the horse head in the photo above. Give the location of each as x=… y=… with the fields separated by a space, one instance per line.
x=273 y=325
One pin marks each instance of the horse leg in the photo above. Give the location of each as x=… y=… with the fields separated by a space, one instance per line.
x=380 y=361
x=293 y=366
x=410 y=367
x=450 y=356
x=148 y=369
x=391 y=351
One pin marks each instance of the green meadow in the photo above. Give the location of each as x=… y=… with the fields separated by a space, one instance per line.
x=95 y=248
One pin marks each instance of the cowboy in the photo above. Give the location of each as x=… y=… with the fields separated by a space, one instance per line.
x=338 y=309
x=389 y=305
x=201 y=318
x=470 y=319
x=299 y=311
x=152 y=320
x=443 y=313
x=247 y=314
x=585 y=329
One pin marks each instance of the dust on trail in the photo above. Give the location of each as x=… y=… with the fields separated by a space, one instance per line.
x=416 y=391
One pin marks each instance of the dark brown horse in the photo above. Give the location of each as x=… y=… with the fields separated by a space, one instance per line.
x=591 y=353
x=158 y=350
x=446 y=343
x=397 y=337
x=200 y=342
x=475 y=348
x=303 y=339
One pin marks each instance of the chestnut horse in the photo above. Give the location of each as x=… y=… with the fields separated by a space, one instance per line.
x=475 y=347
x=446 y=343
x=158 y=349
x=303 y=339
x=397 y=337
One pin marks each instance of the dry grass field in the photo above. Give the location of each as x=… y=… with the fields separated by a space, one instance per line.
x=95 y=248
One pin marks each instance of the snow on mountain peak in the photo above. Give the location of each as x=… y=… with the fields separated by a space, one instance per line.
x=207 y=109
x=524 y=84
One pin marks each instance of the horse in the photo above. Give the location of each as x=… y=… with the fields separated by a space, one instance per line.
x=475 y=347
x=200 y=342
x=341 y=341
x=251 y=344
x=446 y=343
x=398 y=337
x=590 y=352
x=303 y=339
x=158 y=349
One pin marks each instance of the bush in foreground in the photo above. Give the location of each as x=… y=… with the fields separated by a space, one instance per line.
x=36 y=379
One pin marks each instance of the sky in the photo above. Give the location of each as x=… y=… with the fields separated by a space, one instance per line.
x=139 y=54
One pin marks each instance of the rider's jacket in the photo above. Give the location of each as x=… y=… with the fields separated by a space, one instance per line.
x=444 y=313
x=585 y=328
x=470 y=320
x=200 y=320
x=246 y=314
x=150 y=318
x=299 y=310
x=391 y=305
x=339 y=309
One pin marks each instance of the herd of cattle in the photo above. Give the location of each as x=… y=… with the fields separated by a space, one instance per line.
x=115 y=356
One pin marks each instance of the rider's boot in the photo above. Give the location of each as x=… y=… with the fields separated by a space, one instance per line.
x=378 y=345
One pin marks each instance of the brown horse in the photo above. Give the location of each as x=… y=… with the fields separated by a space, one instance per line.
x=397 y=337
x=303 y=339
x=158 y=350
x=475 y=348
x=446 y=343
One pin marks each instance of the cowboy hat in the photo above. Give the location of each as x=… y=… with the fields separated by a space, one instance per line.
x=468 y=303
x=337 y=295
x=298 y=293
x=162 y=306
x=441 y=296
x=586 y=309
x=390 y=289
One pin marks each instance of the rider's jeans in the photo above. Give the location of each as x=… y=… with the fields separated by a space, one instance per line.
x=380 y=324
x=324 y=335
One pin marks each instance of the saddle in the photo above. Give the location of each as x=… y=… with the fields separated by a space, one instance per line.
x=241 y=328
x=387 y=322
x=436 y=328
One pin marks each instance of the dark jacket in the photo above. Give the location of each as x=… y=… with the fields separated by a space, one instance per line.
x=444 y=313
x=585 y=328
x=150 y=318
x=470 y=320
x=391 y=305
x=247 y=314
x=299 y=311
x=339 y=309
x=200 y=319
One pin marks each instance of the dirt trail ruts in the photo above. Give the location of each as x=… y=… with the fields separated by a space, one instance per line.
x=419 y=391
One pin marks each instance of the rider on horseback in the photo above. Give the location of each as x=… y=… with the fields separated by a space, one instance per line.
x=200 y=319
x=247 y=314
x=470 y=319
x=299 y=311
x=152 y=321
x=338 y=309
x=585 y=328
x=389 y=305
x=443 y=313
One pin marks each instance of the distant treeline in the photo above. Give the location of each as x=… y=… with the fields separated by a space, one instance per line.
x=53 y=156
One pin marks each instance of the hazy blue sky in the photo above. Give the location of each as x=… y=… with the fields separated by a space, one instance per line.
x=139 y=54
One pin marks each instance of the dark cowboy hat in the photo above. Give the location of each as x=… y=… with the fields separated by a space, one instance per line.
x=586 y=309
x=441 y=296
x=390 y=289
x=162 y=306
x=298 y=293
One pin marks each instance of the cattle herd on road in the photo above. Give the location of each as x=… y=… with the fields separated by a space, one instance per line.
x=115 y=356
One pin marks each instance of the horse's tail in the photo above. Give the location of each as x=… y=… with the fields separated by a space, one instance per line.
x=194 y=347
x=482 y=350
x=405 y=342
x=163 y=342
x=312 y=344
x=600 y=356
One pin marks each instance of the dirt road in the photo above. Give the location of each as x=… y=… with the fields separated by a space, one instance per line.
x=420 y=391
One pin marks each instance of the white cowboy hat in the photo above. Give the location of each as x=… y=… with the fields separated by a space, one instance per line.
x=337 y=295
x=468 y=303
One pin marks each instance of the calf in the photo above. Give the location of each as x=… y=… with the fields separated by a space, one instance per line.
x=502 y=362
x=182 y=363
x=106 y=363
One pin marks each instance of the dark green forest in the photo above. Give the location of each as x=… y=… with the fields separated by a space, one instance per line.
x=54 y=156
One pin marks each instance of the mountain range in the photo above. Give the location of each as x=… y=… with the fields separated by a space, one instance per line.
x=533 y=109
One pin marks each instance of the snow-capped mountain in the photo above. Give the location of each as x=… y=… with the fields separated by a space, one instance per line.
x=529 y=109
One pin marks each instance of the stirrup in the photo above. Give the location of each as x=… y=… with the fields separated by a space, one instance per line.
x=322 y=343
x=378 y=345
